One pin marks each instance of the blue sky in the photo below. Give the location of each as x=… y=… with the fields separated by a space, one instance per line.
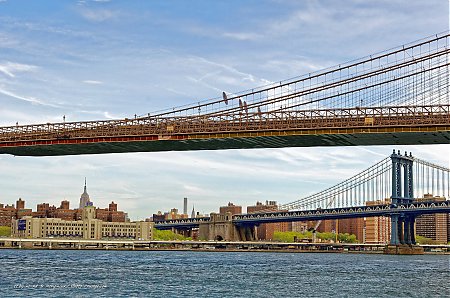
x=102 y=59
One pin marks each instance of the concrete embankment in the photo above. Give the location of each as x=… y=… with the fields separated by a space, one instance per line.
x=218 y=246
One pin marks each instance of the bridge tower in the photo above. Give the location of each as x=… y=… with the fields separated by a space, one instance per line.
x=402 y=226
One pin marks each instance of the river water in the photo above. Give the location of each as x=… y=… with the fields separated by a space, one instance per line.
x=81 y=273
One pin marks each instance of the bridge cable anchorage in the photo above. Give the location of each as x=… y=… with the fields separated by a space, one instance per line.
x=407 y=86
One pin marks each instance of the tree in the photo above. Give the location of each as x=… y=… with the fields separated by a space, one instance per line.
x=424 y=240
x=5 y=231
x=166 y=235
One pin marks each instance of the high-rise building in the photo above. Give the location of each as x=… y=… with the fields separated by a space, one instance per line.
x=326 y=226
x=448 y=228
x=433 y=226
x=353 y=226
x=7 y=213
x=300 y=226
x=65 y=205
x=84 y=199
x=233 y=209
x=266 y=231
x=185 y=206
x=193 y=212
x=20 y=204
x=378 y=228
x=112 y=207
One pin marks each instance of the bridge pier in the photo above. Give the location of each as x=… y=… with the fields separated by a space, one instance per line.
x=402 y=226
x=221 y=227
x=394 y=230
x=402 y=193
x=409 y=230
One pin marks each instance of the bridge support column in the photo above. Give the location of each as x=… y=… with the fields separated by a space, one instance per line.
x=401 y=235
x=407 y=230
x=245 y=233
x=410 y=230
x=394 y=230
x=402 y=192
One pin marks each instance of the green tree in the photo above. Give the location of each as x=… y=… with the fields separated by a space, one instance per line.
x=424 y=240
x=166 y=235
x=290 y=236
x=328 y=236
x=347 y=238
x=5 y=231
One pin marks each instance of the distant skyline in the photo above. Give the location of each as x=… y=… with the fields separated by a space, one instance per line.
x=100 y=59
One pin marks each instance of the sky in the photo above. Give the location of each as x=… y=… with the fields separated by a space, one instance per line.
x=108 y=59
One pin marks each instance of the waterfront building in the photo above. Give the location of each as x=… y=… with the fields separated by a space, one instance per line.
x=448 y=228
x=88 y=227
x=111 y=214
x=266 y=231
x=45 y=210
x=378 y=228
x=7 y=213
x=20 y=204
x=433 y=226
x=299 y=226
x=326 y=226
x=355 y=226
x=231 y=208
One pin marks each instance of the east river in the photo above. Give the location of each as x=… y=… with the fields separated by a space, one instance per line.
x=81 y=273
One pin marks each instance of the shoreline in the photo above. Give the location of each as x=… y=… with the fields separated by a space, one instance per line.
x=218 y=250
x=217 y=246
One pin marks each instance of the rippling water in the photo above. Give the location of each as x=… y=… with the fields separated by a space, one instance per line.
x=217 y=274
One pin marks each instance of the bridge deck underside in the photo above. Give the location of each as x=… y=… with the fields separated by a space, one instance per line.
x=240 y=140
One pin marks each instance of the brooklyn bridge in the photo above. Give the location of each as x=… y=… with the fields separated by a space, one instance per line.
x=399 y=96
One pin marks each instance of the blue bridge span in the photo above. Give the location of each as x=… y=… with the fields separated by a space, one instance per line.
x=390 y=186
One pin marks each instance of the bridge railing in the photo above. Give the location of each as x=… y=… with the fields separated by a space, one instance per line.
x=360 y=117
x=414 y=77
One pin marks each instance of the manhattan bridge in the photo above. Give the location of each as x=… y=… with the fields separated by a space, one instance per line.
x=396 y=97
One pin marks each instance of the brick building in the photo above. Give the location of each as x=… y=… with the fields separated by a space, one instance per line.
x=266 y=231
x=433 y=226
x=110 y=214
x=355 y=226
x=45 y=210
x=233 y=209
x=378 y=228
x=88 y=227
x=7 y=213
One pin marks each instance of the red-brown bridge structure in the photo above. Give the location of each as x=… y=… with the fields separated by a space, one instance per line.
x=400 y=96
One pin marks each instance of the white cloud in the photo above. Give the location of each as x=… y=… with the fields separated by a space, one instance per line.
x=244 y=36
x=92 y=82
x=10 y=68
x=32 y=100
x=97 y=15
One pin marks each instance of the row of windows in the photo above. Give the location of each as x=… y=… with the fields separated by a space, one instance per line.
x=64 y=224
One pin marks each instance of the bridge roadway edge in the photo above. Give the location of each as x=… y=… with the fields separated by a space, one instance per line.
x=241 y=140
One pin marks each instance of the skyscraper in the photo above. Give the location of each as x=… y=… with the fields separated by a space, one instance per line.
x=185 y=203
x=84 y=199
